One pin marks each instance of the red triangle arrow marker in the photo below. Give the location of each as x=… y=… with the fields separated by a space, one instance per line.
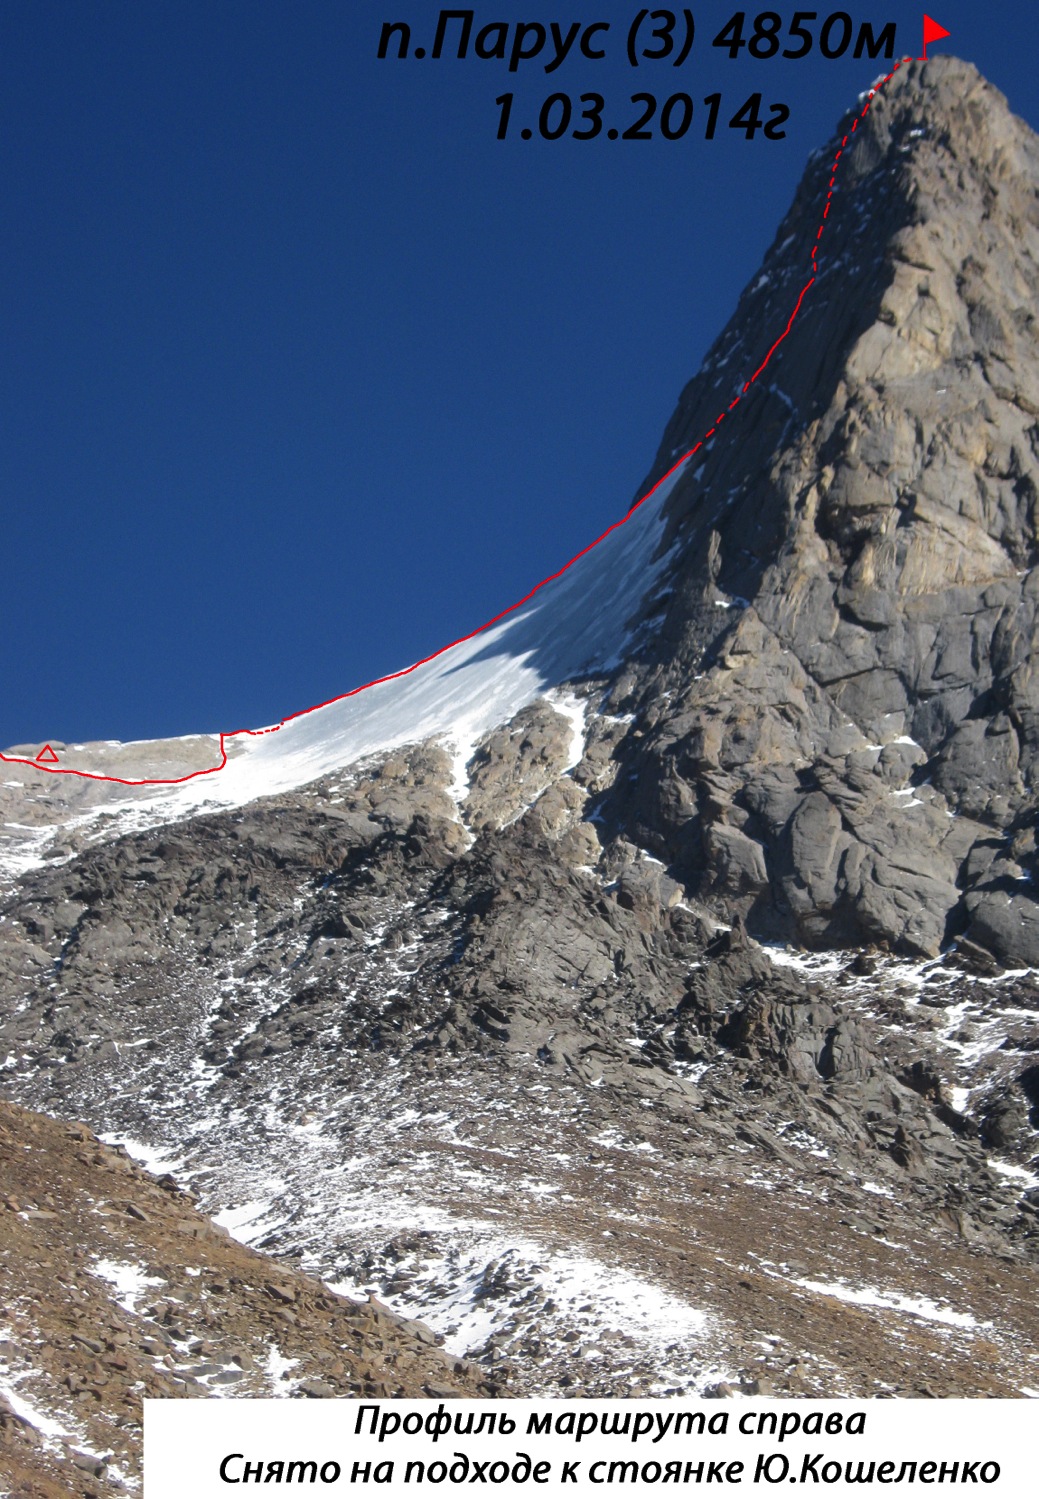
x=47 y=756
x=932 y=33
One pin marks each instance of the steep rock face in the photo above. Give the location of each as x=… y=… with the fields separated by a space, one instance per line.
x=839 y=718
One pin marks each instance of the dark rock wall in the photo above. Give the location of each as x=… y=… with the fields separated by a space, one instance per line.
x=838 y=711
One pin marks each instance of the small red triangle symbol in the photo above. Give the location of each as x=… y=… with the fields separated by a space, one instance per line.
x=47 y=756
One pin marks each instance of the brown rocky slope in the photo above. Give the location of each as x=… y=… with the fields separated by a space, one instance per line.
x=115 y=1287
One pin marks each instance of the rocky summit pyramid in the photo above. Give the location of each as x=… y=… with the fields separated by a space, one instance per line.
x=643 y=992
x=851 y=757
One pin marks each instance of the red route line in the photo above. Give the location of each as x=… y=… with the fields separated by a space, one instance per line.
x=88 y=775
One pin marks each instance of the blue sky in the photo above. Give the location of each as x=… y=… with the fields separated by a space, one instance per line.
x=304 y=372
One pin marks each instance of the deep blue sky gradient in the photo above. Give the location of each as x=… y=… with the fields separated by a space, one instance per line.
x=303 y=372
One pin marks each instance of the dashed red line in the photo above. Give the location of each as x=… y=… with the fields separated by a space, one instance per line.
x=88 y=775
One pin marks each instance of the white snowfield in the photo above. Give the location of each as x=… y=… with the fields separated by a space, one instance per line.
x=577 y=623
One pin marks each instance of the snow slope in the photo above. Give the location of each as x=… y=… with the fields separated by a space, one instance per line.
x=574 y=624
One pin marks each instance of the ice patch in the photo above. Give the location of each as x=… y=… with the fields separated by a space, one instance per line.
x=574 y=1284
x=574 y=709
x=250 y=1221
x=44 y=1424
x=129 y=1281
x=877 y=1190
x=1014 y=1173
x=277 y=1368
x=804 y=962
x=155 y=1160
x=894 y=1301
